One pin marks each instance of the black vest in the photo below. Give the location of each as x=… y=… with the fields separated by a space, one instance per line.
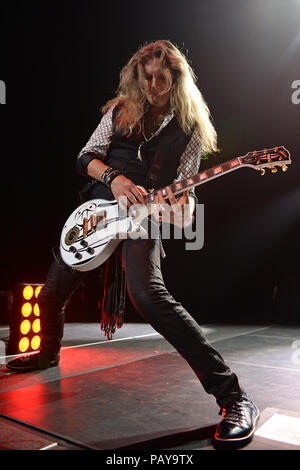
x=160 y=159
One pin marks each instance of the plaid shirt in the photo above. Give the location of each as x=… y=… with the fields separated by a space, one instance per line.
x=99 y=142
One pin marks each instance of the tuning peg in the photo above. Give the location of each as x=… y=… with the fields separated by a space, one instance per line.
x=262 y=171
x=284 y=168
x=274 y=170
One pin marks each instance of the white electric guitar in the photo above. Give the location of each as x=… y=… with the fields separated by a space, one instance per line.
x=96 y=227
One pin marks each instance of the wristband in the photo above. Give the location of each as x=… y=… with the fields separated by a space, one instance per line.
x=105 y=174
x=108 y=175
x=112 y=176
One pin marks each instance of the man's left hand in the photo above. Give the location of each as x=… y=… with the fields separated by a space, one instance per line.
x=177 y=211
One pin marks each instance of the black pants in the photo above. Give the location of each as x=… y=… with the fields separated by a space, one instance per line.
x=147 y=291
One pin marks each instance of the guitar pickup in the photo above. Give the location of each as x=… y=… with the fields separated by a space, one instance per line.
x=99 y=218
x=85 y=227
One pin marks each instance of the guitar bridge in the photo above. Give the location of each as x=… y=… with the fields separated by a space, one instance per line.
x=99 y=218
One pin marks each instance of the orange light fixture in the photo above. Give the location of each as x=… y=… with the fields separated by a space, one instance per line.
x=36 y=325
x=24 y=344
x=35 y=342
x=36 y=310
x=28 y=292
x=26 y=309
x=25 y=326
x=37 y=291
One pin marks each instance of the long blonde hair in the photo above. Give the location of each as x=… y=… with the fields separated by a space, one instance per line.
x=185 y=98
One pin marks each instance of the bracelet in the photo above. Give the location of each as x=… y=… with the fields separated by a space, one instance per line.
x=112 y=176
x=105 y=174
x=109 y=175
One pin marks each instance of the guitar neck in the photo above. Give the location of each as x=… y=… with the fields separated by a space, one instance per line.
x=197 y=179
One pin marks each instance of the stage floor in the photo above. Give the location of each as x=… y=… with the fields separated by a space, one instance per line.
x=136 y=392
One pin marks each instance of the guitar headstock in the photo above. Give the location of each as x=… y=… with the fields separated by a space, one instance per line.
x=268 y=158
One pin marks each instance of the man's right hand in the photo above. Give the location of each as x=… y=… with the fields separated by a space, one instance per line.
x=122 y=188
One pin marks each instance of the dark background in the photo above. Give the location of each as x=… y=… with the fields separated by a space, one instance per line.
x=61 y=62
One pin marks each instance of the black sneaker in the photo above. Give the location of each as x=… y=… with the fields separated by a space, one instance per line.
x=33 y=362
x=238 y=424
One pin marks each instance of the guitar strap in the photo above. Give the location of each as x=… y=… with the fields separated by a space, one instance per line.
x=114 y=296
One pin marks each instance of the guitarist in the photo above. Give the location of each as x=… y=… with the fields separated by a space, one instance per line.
x=151 y=134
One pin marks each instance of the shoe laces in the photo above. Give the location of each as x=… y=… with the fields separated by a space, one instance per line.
x=234 y=413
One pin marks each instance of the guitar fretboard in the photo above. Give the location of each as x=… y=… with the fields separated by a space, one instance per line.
x=197 y=179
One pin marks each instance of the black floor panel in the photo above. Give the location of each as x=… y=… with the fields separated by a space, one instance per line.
x=138 y=393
